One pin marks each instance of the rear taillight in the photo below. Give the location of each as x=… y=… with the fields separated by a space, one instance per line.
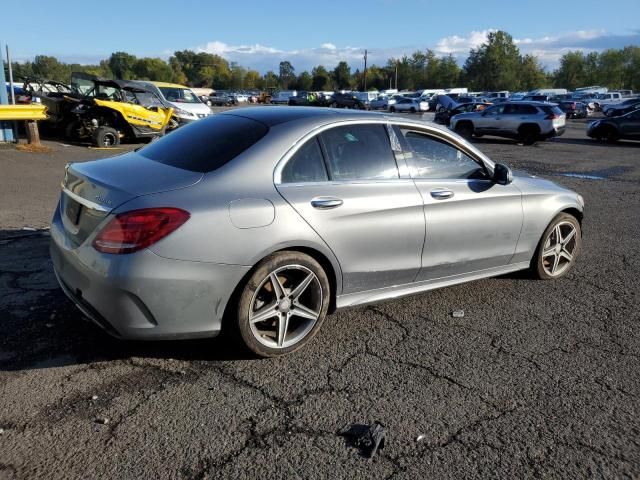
x=132 y=231
x=552 y=116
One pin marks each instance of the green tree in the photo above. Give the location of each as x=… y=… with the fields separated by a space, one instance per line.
x=287 y=74
x=122 y=64
x=271 y=80
x=304 y=81
x=611 y=68
x=494 y=65
x=571 y=73
x=321 y=81
x=238 y=75
x=532 y=75
x=631 y=55
x=252 y=79
x=342 y=76
x=448 y=72
x=154 y=69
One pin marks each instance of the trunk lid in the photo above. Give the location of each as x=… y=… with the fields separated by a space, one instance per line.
x=91 y=190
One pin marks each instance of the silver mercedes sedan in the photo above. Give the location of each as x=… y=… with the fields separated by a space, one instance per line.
x=261 y=221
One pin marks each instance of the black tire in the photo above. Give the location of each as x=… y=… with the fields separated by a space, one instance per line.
x=105 y=137
x=464 y=129
x=71 y=130
x=412 y=110
x=538 y=263
x=392 y=109
x=528 y=134
x=610 y=134
x=256 y=282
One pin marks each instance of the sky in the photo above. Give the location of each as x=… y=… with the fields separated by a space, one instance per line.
x=260 y=34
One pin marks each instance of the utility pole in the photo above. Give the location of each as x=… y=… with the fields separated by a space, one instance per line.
x=13 y=94
x=396 y=74
x=365 y=70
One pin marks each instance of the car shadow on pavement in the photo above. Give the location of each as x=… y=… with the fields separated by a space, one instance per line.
x=41 y=328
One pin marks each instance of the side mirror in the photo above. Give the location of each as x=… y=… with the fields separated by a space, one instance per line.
x=502 y=174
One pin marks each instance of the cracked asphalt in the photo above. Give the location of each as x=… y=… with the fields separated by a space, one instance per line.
x=537 y=380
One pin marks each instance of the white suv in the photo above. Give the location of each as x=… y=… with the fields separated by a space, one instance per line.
x=526 y=122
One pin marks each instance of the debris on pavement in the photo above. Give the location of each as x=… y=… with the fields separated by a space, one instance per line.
x=367 y=438
x=420 y=438
x=457 y=313
x=102 y=420
x=94 y=397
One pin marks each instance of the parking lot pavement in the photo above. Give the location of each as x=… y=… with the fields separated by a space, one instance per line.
x=538 y=379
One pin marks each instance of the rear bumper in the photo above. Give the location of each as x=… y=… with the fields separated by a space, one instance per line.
x=556 y=132
x=143 y=296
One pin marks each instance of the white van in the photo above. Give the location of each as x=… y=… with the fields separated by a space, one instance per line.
x=187 y=106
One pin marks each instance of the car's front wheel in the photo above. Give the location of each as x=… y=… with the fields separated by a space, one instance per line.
x=283 y=304
x=559 y=248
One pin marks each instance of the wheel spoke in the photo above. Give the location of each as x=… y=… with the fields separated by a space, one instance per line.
x=566 y=254
x=558 y=235
x=263 y=314
x=278 y=289
x=304 y=312
x=549 y=252
x=569 y=236
x=556 y=261
x=302 y=287
x=283 y=325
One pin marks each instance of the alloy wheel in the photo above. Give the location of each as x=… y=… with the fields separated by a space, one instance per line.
x=108 y=140
x=559 y=249
x=285 y=306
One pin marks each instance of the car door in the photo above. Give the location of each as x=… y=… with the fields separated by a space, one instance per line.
x=472 y=223
x=630 y=125
x=345 y=184
x=489 y=120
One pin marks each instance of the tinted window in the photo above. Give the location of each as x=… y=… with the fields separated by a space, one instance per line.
x=207 y=144
x=434 y=158
x=306 y=165
x=497 y=110
x=520 y=109
x=359 y=152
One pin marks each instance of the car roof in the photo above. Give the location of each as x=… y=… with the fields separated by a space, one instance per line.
x=272 y=115
x=166 y=84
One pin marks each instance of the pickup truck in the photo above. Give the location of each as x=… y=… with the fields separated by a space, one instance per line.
x=607 y=99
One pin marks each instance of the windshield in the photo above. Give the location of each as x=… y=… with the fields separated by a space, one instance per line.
x=179 y=95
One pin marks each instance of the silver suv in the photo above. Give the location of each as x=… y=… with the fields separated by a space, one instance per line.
x=526 y=122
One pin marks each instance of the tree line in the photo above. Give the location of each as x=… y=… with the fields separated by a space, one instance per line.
x=497 y=64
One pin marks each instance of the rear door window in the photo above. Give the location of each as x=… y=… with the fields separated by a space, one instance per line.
x=306 y=165
x=359 y=152
x=207 y=144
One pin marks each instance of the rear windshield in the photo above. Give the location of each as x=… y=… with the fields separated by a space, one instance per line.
x=551 y=109
x=207 y=144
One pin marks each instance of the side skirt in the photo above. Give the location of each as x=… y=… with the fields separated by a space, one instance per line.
x=379 y=294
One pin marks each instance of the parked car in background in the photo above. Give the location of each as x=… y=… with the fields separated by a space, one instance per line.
x=383 y=102
x=346 y=100
x=187 y=107
x=443 y=117
x=366 y=98
x=282 y=97
x=299 y=229
x=526 y=122
x=412 y=105
x=609 y=98
x=536 y=98
x=573 y=109
x=442 y=102
x=220 y=99
x=612 y=129
x=615 y=109
x=308 y=99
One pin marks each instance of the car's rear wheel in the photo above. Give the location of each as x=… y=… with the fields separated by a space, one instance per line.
x=392 y=109
x=283 y=304
x=464 y=129
x=559 y=248
x=528 y=134
x=106 y=137
x=413 y=110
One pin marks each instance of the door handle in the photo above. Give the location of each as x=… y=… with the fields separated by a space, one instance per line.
x=441 y=194
x=325 y=203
